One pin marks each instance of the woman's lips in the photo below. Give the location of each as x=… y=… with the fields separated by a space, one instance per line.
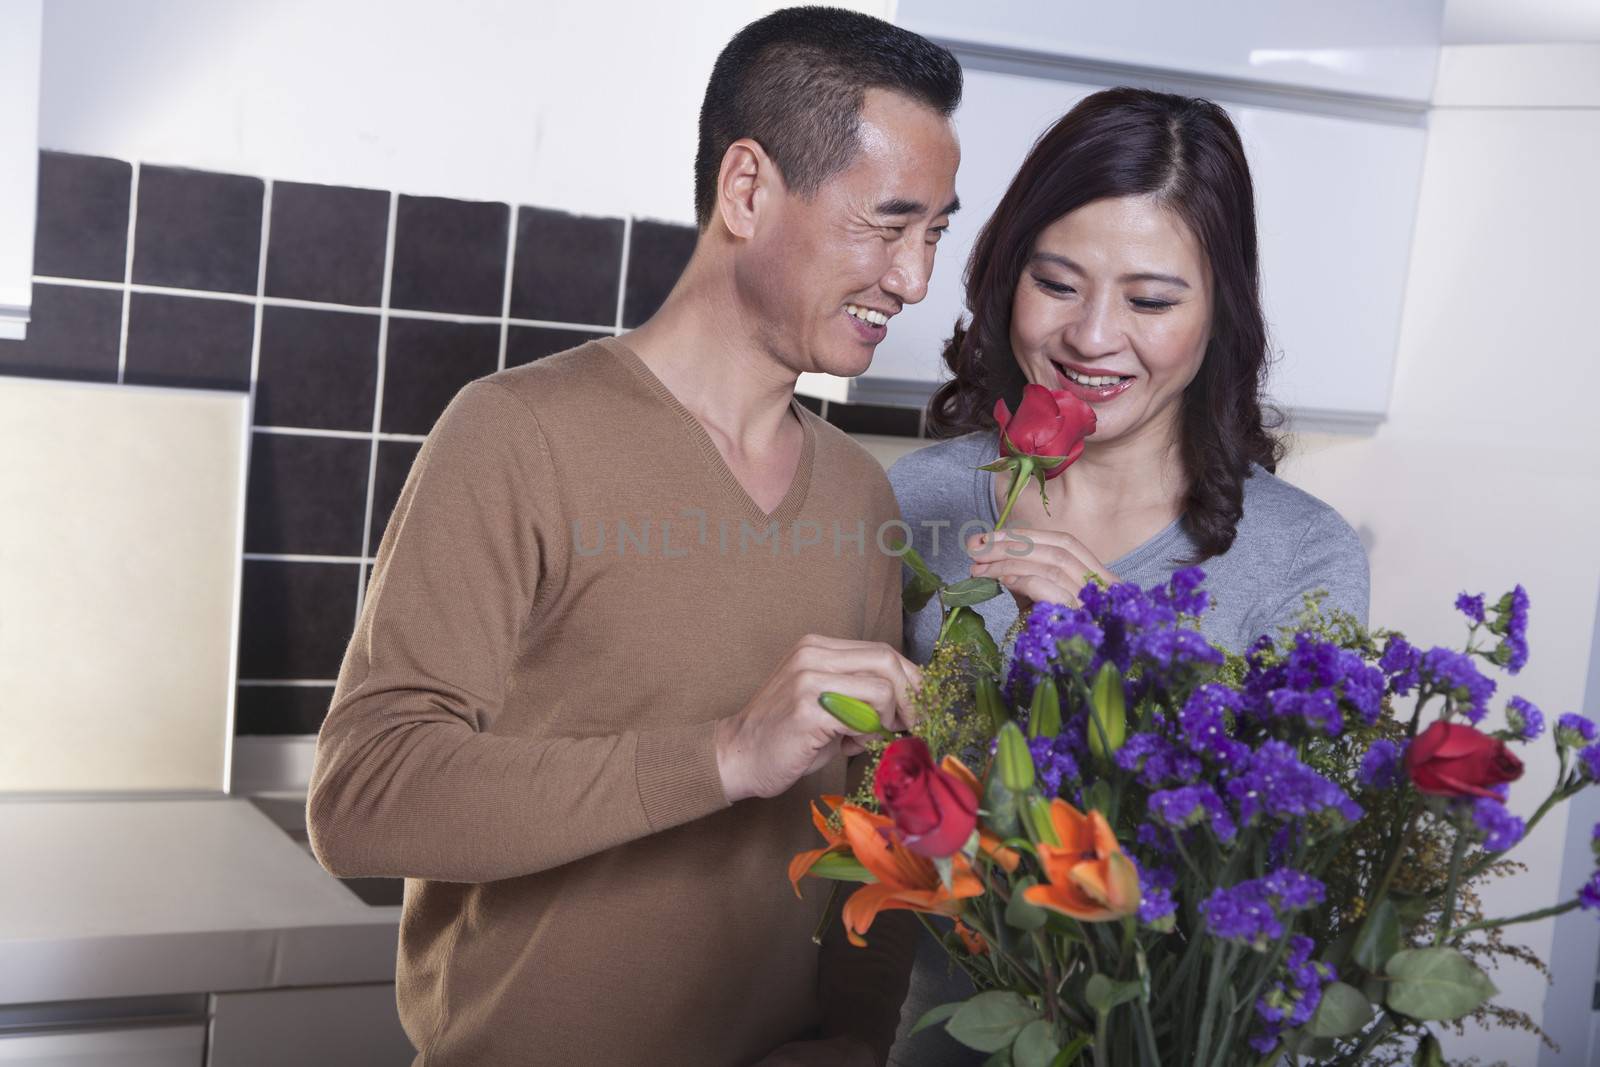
x=1097 y=394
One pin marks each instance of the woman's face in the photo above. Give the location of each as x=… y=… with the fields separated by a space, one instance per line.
x=1115 y=306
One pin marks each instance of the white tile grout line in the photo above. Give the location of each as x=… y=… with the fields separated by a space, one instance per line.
x=622 y=278
x=353 y=435
x=505 y=296
x=317 y=305
x=377 y=402
x=300 y=557
x=127 y=275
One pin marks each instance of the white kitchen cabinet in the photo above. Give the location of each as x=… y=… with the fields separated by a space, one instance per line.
x=144 y=1046
x=326 y=1026
x=20 y=35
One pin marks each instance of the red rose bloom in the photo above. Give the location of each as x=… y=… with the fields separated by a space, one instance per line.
x=1452 y=760
x=1048 y=422
x=934 y=811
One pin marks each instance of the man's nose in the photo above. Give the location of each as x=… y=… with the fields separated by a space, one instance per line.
x=907 y=277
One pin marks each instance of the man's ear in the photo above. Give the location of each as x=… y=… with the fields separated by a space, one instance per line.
x=747 y=183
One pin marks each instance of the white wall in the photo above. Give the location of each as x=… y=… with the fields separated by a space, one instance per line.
x=587 y=107
x=1487 y=471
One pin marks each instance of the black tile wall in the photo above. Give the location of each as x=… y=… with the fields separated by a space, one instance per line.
x=394 y=463
x=81 y=229
x=657 y=254
x=449 y=255
x=74 y=333
x=327 y=244
x=281 y=709
x=295 y=618
x=315 y=371
x=318 y=369
x=307 y=495
x=524 y=344
x=568 y=267
x=194 y=341
x=427 y=363
x=197 y=230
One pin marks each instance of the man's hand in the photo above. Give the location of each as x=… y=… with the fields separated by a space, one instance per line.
x=835 y=1052
x=783 y=734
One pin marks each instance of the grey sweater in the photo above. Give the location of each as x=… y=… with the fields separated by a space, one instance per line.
x=1288 y=543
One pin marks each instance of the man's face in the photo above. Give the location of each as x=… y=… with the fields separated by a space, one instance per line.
x=825 y=276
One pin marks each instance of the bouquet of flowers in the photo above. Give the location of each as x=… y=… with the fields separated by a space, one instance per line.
x=1143 y=850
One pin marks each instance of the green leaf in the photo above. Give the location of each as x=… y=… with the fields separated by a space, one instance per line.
x=1379 y=937
x=999 y=1059
x=1098 y=797
x=841 y=868
x=923 y=585
x=1429 y=1053
x=1069 y=1055
x=1000 y=808
x=991 y=1021
x=1022 y=915
x=966 y=630
x=1343 y=1011
x=1435 y=983
x=969 y=591
x=1016 y=762
x=1036 y=1045
x=935 y=1016
x=1102 y=994
x=1410 y=907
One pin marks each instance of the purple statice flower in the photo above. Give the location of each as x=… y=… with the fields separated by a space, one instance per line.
x=1589 y=762
x=1573 y=730
x=1454 y=674
x=1122 y=612
x=1251 y=911
x=1157 y=761
x=1316 y=684
x=1514 y=615
x=1054 y=635
x=1472 y=607
x=1525 y=720
x=1318 y=709
x=1054 y=762
x=1589 y=895
x=1401 y=664
x=1156 y=906
x=1292 y=1000
x=1184 y=594
x=1501 y=829
x=1276 y=783
x=1380 y=767
x=1174 y=646
x=1191 y=805
x=1204 y=723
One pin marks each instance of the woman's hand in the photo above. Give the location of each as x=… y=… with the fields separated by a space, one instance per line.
x=1053 y=568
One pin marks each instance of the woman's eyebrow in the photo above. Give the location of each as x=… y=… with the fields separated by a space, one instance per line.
x=1142 y=276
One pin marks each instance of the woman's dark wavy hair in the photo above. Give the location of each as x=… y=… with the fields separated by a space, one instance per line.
x=1186 y=153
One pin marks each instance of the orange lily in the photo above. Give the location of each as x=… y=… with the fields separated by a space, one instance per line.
x=974 y=942
x=1089 y=877
x=988 y=843
x=904 y=879
x=801 y=864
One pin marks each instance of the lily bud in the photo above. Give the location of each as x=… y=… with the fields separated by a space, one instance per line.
x=1108 y=713
x=1044 y=716
x=990 y=704
x=856 y=714
x=1016 y=762
x=1036 y=816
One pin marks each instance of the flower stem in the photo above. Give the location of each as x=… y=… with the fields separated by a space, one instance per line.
x=1457 y=851
x=1526 y=917
x=1019 y=478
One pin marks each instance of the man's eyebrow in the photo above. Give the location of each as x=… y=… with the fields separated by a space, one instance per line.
x=1146 y=276
x=901 y=206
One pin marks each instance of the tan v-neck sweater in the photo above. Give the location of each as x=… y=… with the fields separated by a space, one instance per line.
x=570 y=592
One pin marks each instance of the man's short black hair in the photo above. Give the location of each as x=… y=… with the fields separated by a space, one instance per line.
x=795 y=82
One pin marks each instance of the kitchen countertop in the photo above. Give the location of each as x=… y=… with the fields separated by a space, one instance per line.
x=132 y=897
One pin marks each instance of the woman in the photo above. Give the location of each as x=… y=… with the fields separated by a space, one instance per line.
x=1120 y=266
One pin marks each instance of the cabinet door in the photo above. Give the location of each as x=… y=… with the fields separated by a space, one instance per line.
x=324 y=1026
x=145 y=1046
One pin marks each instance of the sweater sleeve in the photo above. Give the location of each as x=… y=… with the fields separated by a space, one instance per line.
x=410 y=778
x=1330 y=558
x=861 y=989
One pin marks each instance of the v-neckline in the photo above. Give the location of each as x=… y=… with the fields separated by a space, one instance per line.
x=799 y=484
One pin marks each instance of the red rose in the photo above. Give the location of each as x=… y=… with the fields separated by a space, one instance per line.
x=1048 y=422
x=1457 y=761
x=934 y=811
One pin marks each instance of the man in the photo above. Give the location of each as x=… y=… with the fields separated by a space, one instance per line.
x=579 y=712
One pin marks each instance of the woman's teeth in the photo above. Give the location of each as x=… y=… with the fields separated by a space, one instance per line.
x=1092 y=381
x=867 y=315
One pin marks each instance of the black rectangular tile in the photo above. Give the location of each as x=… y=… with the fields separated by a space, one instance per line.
x=326 y=243
x=427 y=363
x=193 y=341
x=657 y=254
x=197 y=230
x=318 y=369
x=307 y=495
x=295 y=618
x=394 y=464
x=73 y=333
x=81 y=230
x=810 y=403
x=875 y=418
x=568 y=267
x=449 y=255
x=524 y=344
x=280 y=710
